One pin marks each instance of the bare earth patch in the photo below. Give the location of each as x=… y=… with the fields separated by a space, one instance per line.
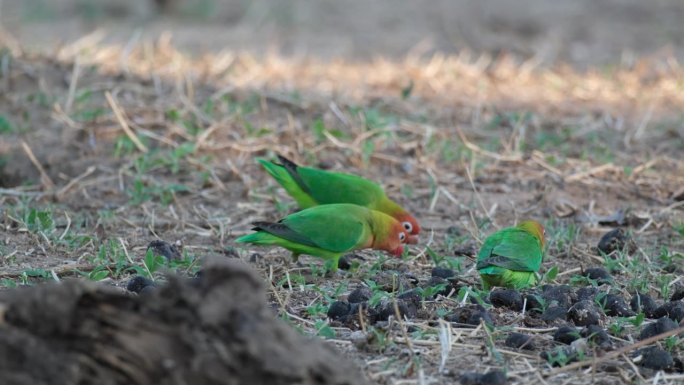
x=105 y=149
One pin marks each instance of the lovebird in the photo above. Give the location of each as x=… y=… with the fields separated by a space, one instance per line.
x=512 y=256
x=311 y=187
x=329 y=231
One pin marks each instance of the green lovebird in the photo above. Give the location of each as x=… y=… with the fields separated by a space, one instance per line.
x=512 y=256
x=329 y=231
x=311 y=187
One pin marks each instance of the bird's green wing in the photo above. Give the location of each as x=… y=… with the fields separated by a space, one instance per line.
x=512 y=249
x=334 y=187
x=337 y=228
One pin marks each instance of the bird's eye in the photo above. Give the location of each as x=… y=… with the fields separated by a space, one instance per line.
x=408 y=226
x=402 y=237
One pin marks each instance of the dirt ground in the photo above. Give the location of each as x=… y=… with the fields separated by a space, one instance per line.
x=109 y=143
x=583 y=32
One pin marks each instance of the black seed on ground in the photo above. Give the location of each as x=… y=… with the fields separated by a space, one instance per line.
x=255 y=257
x=468 y=250
x=386 y=309
x=566 y=334
x=597 y=335
x=662 y=325
x=584 y=313
x=506 y=298
x=442 y=272
x=392 y=281
x=654 y=358
x=470 y=315
x=678 y=292
x=361 y=294
x=165 y=249
x=598 y=274
x=555 y=312
x=454 y=231
x=586 y=293
x=534 y=302
x=344 y=263
x=561 y=295
x=643 y=303
x=435 y=282
x=561 y=355
x=412 y=296
x=673 y=310
x=137 y=283
x=338 y=309
x=616 y=239
x=615 y=306
x=494 y=377
x=147 y=290
x=520 y=341
x=231 y=252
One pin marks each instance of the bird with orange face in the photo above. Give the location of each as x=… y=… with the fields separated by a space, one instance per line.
x=312 y=187
x=330 y=231
x=511 y=257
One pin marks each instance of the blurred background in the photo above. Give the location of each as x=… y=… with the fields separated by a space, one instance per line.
x=580 y=32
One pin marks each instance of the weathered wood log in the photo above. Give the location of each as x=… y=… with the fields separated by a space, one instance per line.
x=215 y=329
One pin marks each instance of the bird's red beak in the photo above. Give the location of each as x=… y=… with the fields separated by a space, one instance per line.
x=412 y=239
x=399 y=251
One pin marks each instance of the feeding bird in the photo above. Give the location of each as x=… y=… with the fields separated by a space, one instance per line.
x=511 y=257
x=311 y=187
x=329 y=231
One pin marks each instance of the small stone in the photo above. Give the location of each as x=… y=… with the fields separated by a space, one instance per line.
x=554 y=313
x=643 y=303
x=597 y=335
x=506 y=298
x=360 y=294
x=615 y=306
x=137 y=283
x=443 y=272
x=616 y=239
x=674 y=310
x=662 y=325
x=566 y=334
x=520 y=341
x=654 y=358
x=584 y=313
x=165 y=249
x=338 y=309
x=598 y=274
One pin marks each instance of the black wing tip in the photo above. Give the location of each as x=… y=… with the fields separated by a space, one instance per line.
x=286 y=162
x=260 y=225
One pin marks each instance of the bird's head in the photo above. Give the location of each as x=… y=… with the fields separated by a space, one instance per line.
x=536 y=229
x=410 y=226
x=393 y=240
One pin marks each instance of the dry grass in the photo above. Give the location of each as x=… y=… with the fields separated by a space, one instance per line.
x=140 y=142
